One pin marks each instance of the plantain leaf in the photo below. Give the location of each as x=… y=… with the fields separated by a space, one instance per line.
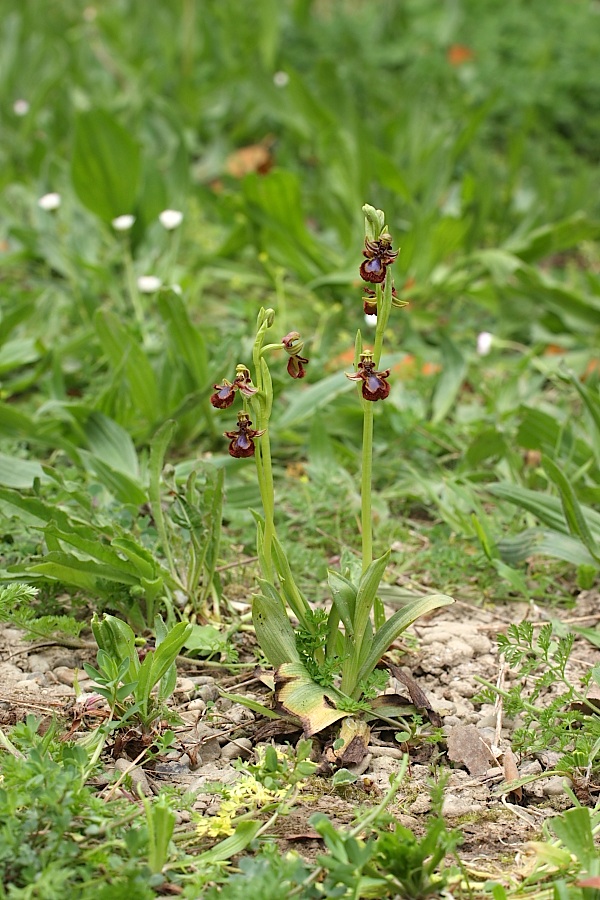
x=574 y=514
x=273 y=629
x=105 y=167
x=454 y=369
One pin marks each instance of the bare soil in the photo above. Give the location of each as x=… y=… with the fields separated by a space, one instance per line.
x=446 y=654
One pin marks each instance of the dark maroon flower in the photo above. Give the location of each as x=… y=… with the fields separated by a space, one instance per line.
x=225 y=393
x=242 y=440
x=224 y=396
x=375 y=385
x=378 y=256
x=294 y=346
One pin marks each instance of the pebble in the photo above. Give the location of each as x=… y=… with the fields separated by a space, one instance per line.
x=38 y=663
x=421 y=805
x=68 y=676
x=555 y=785
x=241 y=748
x=198 y=705
x=455 y=805
x=8 y=672
x=239 y=714
x=137 y=775
x=185 y=686
x=208 y=692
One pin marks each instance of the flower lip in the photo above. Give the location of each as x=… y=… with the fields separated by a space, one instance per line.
x=170 y=218
x=149 y=284
x=225 y=392
x=242 y=440
x=123 y=223
x=50 y=202
x=378 y=256
x=375 y=385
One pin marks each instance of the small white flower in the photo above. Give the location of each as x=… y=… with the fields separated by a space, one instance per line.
x=123 y=223
x=484 y=343
x=149 y=284
x=371 y=320
x=20 y=107
x=176 y=288
x=170 y=219
x=49 y=202
x=281 y=79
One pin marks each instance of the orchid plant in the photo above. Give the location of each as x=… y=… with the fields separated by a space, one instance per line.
x=326 y=666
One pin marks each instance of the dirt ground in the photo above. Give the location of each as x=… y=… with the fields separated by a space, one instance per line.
x=445 y=653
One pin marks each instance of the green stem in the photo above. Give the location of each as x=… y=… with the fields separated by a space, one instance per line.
x=366 y=486
x=261 y=405
x=134 y=294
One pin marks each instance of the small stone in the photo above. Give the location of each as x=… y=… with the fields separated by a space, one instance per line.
x=38 y=663
x=185 y=686
x=454 y=806
x=208 y=692
x=137 y=775
x=555 y=785
x=197 y=704
x=68 y=676
x=239 y=714
x=421 y=805
x=203 y=679
x=241 y=748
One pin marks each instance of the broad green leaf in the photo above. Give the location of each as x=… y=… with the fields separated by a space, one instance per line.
x=517 y=548
x=84 y=573
x=120 y=486
x=207 y=639
x=125 y=354
x=547 y=509
x=20 y=473
x=111 y=443
x=574 y=830
x=398 y=623
x=297 y=695
x=105 y=167
x=574 y=514
x=454 y=369
x=365 y=597
x=273 y=629
x=307 y=400
x=343 y=593
x=187 y=339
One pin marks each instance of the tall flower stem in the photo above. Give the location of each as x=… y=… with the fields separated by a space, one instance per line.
x=374 y=223
x=261 y=405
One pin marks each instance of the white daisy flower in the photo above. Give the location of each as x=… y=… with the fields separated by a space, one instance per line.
x=123 y=223
x=484 y=343
x=20 y=107
x=170 y=219
x=149 y=284
x=49 y=202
